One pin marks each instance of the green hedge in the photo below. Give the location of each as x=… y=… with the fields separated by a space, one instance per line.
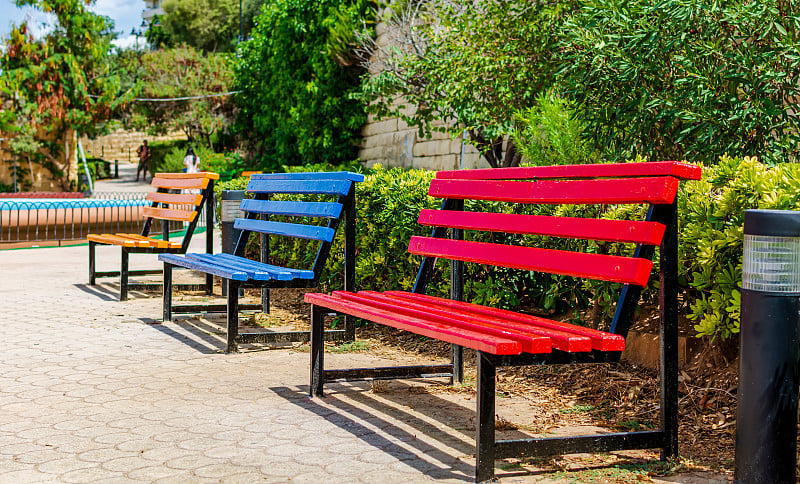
x=711 y=218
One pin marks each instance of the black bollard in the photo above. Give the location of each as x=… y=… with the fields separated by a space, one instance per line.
x=766 y=416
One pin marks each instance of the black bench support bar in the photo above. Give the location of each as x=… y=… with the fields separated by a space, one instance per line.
x=288 y=336
x=388 y=373
x=584 y=443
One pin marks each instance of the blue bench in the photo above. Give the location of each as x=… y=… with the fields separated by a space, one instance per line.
x=240 y=272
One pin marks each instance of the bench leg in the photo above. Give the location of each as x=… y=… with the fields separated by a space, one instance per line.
x=317 y=351
x=123 y=276
x=265 y=300
x=233 y=316
x=91 y=263
x=458 y=365
x=167 y=292
x=485 y=421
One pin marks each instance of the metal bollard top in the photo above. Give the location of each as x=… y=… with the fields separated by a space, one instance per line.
x=771 y=259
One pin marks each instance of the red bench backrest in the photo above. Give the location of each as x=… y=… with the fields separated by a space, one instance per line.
x=619 y=183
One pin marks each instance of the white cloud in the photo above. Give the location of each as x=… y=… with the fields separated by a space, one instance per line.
x=126 y=14
x=131 y=42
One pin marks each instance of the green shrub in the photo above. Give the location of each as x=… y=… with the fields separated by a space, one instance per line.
x=712 y=236
x=549 y=133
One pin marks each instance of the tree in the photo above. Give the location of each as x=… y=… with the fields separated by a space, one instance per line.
x=58 y=85
x=179 y=73
x=465 y=65
x=297 y=103
x=686 y=79
x=207 y=25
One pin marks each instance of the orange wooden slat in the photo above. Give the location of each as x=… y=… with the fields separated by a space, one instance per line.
x=116 y=240
x=169 y=214
x=175 y=198
x=180 y=183
x=203 y=174
x=151 y=242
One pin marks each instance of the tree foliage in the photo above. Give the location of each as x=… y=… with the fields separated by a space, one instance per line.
x=177 y=73
x=687 y=78
x=297 y=104
x=57 y=85
x=207 y=25
x=465 y=65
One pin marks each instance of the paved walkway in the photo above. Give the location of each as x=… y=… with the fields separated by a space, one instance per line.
x=126 y=181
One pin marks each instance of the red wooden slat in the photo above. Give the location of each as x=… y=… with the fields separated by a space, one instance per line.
x=684 y=171
x=601 y=340
x=529 y=340
x=612 y=268
x=571 y=227
x=443 y=332
x=558 y=339
x=619 y=190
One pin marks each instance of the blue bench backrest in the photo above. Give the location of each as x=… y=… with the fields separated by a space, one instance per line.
x=336 y=185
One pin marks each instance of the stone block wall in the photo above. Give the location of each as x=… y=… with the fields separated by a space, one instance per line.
x=121 y=145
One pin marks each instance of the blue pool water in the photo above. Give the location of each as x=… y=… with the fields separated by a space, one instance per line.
x=65 y=203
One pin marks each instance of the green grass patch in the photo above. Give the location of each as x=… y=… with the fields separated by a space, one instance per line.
x=350 y=347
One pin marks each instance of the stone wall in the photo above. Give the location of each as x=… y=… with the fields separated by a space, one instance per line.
x=121 y=145
x=391 y=142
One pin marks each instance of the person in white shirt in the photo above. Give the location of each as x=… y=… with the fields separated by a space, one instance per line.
x=191 y=161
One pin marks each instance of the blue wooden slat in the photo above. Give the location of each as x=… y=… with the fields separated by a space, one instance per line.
x=254 y=270
x=333 y=175
x=188 y=263
x=295 y=273
x=314 y=187
x=310 y=232
x=297 y=209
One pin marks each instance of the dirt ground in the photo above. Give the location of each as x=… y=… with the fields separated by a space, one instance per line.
x=559 y=400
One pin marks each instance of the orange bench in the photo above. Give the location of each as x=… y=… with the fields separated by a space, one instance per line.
x=170 y=203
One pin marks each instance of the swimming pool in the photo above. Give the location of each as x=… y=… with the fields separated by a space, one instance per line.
x=41 y=219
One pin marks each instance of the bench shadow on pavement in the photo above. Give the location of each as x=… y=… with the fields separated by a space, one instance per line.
x=195 y=332
x=369 y=407
x=99 y=291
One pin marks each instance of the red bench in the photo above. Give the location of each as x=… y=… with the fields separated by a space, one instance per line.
x=506 y=338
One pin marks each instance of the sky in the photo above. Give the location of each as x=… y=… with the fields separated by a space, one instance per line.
x=126 y=14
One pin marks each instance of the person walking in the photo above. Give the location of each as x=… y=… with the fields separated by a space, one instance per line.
x=191 y=161
x=144 y=160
